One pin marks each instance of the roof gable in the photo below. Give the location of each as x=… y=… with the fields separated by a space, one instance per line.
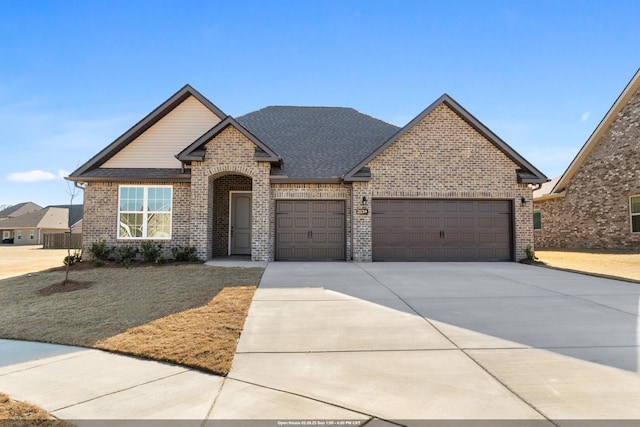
x=196 y=152
x=19 y=209
x=621 y=102
x=527 y=174
x=49 y=217
x=145 y=124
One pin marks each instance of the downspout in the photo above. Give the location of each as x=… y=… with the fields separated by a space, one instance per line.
x=351 y=232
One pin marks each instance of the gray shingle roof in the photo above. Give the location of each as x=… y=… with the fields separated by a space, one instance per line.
x=143 y=174
x=49 y=217
x=19 y=209
x=318 y=142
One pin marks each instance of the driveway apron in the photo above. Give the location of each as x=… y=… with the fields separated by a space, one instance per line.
x=404 y=342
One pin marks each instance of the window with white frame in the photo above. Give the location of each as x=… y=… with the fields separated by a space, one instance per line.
x=144 y=212
x=19 y=235
x=635 y=214
x=6 y=234
x=32 y=234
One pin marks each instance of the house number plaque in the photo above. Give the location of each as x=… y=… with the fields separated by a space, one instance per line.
x=362 y=211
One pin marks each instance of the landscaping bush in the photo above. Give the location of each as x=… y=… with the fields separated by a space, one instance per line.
x=98 y=263
x=100 y=250
x=73 y=258
x=151 y=252
x=184 y=254
x=126 y=254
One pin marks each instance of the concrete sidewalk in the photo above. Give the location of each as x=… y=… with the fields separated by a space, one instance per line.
x=381 y=344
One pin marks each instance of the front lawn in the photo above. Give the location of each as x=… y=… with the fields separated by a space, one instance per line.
x=608 y=263
x=189 y=314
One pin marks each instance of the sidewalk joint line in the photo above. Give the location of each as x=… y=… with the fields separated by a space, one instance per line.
x=123 y=389
x=371 y=417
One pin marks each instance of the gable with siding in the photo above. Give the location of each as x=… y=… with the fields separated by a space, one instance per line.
x=158 y=145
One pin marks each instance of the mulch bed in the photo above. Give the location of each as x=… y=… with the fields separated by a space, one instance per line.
x=70 y=286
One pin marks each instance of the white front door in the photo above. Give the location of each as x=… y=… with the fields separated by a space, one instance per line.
x=240 y=224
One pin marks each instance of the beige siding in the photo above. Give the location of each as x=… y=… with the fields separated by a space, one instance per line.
x=157 y=147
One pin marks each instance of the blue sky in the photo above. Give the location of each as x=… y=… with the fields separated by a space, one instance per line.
x=74 y=75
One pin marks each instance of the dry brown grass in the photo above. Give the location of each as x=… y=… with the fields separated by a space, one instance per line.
x=203 y=337
x=173 y=302
x=625 y=265
x=14 y=414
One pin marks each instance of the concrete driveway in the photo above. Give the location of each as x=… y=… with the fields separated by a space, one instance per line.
x=411 y=341
x=381 y=344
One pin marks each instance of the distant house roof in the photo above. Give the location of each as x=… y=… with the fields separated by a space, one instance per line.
x=545 y=190
x=632 y=87
x=19 y=209
x=49 y=217
x=317 y=142
x=75 y=214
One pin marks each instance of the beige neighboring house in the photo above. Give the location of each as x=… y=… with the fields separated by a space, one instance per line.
x=29 y=228
x=595 y=204
x=19 y=209
x=311 y=183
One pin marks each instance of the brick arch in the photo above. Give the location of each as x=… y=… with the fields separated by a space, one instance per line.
x=221 y=170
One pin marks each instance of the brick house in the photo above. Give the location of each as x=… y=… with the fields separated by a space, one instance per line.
x=595 y=204
x=311 y=183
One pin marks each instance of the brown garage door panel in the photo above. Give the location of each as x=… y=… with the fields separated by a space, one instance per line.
x=441 y=230
x=310 y=230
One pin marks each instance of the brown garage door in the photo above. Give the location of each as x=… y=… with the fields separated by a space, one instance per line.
x=309 y=230
x=441 y=230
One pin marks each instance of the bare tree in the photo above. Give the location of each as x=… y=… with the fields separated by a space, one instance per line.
x=72 y=191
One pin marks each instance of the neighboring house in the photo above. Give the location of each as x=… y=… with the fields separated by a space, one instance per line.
x=596 y=202
x=311 y=183
x=75 y=216
x=29 y=229
x=19 y=209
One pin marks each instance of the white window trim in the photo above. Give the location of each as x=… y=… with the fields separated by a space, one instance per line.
x=32 y=234
x=6 y=234
x=144 y=212
x=631 y=214
x=19 y=235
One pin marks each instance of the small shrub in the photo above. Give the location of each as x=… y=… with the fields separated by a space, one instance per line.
x=100 y=250
x=184 y=254
x=126 y=254
x=74 y=258
x=151 y=252
x=530 y=253
x=98 y=263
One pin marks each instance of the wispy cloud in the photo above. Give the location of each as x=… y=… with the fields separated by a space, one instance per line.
x=36 y=175
x=585 y=116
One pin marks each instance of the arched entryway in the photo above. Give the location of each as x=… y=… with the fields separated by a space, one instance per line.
x=230 y=204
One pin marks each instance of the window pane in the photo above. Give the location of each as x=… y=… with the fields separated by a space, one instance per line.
x=131 y=199
x=635 y=223
x=159 y=199
x=537 y=220
x=635 y=204
x=131 y=225
x=159 y=225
